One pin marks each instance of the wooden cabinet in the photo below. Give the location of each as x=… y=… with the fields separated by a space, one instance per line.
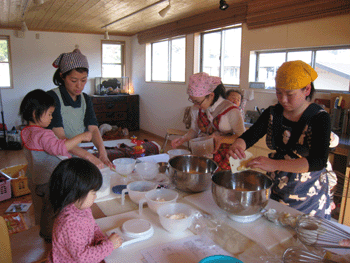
x=120 y=110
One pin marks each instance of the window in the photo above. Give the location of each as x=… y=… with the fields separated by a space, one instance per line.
x=113 y=59
x=166 y=60
x=5 y=63
x=221 y=54
x=331 y=63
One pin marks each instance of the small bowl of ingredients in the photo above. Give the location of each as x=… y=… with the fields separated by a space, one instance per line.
x=175 y=217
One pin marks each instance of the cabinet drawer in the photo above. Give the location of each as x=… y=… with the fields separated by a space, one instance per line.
x=110 y=107
x=111 y=116
x=112 y=99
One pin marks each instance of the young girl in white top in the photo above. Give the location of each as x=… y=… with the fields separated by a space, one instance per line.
x=76 y=237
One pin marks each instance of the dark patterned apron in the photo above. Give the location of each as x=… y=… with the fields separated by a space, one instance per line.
x=220 y=157
x=306 y=192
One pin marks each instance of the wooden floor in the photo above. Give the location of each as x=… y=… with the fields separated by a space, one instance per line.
x=27 y=246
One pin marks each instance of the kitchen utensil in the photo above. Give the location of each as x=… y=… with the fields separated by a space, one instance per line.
x=319 y=232
x=133 y=230
x=298 y=254
x=124 y=166
x=157 y=198
x=243 y=195
x=147 y=170
x=240 y=164
x=202 y=146
x=137 y=190
x=162 y=167
x=175 y=217
x=176 y=152
x=191 y=173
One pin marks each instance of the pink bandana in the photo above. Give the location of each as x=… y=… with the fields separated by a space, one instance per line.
x=201 y=84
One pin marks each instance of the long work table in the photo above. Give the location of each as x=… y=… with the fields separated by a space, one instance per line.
x=212 y=232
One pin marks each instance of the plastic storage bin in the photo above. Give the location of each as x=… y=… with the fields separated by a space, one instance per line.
x=19 y=182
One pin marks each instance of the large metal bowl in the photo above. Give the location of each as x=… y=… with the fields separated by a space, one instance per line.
x=243 y=194
x=191 y=173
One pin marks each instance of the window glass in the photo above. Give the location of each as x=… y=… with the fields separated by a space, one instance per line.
x=300 y=55
x=331 y=64
x=268 y=65
x=5 y=67
x=166 y=60
x=178 y=60
x=333 y=68
x=112 y=59
x=160 y=60
x=211 y=53
x=221 y=54
x=231 y=56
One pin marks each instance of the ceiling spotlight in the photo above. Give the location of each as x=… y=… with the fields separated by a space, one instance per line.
x=164 y=11
x=106 y=35
x=223 y=5
x=24 y=27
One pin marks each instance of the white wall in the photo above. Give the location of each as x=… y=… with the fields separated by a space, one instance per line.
x=162 y=104
x=32 y=64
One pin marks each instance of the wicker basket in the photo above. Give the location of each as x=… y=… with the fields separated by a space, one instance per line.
x=19 y=182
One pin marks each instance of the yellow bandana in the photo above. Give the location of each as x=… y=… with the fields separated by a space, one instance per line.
x=294 y=75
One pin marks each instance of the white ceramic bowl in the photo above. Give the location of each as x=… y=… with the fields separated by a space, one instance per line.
x=147 y=170
x=157 y=198
x=176 y=152
x=124 y=166
x=137 y=190
x=168 y=214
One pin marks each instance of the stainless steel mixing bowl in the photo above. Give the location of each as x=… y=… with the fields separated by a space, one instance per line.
x=191 y=173
x=241 y=194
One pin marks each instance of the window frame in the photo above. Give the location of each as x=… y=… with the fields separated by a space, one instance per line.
x=149 y=60
x=8 y=39
x=221 y=50
x=123 y=66
x=313 y=51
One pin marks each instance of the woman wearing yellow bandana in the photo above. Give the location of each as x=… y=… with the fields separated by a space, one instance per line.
x=299 y=133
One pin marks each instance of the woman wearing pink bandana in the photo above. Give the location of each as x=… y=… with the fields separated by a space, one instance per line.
x=212 y=115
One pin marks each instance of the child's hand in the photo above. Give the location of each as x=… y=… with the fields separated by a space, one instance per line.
x=87 y=136
x=116 y=240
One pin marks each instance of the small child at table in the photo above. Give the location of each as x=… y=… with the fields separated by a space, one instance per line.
x=41 y=147
x=76 y=237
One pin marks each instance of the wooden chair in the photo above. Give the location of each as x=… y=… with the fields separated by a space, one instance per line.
x=5 y=245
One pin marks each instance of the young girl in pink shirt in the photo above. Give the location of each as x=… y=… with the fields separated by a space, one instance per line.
x=41 y=148
x=76 y=237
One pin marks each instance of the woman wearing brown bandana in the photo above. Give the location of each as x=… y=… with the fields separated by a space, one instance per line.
x=299 y=133
x=212 y=115
x=74 y=112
